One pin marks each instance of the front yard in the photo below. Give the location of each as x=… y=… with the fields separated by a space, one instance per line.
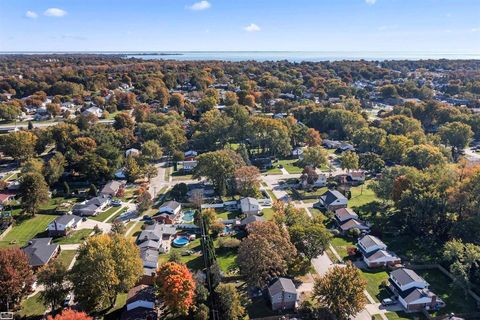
x=77 y=236
x=66 y=257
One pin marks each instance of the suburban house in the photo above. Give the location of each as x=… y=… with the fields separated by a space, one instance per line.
x=412 y=291
x=132 y=152
x=282 y=294
x=95 y=111
x=356 y=177
x=297 y=153
x=250 y=219
x=342 y=215
x=331 y=144
x=353 y=224
x=321 y=181
x=91 y=207
x=170 y=207
x=156 y=236
x=188 y=166
x=249 y=206
x=262 y=163
x=6 y=196
x=381 y=258
x=62 y=225
x=140 y=303
x=40 y=251
x=331 y=200
x=190 y=155
x=111 y=188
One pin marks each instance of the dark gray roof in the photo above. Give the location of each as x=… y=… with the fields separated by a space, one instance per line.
x=111 y=187
x=405 y=276
x=150 y=244
x=149 y=255
x=66 y=218
x=141 y=293
x=282 y=285
x=39 y=251
x=171 y=204
x=331 y=196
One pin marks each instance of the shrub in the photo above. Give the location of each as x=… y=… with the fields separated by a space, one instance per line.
x=228 y=243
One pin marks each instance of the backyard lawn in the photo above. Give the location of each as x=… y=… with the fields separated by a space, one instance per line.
x=267 y=213
x=454 y=297
x=361 y=195
x=66 y=257
x=341 y=245
x=194 y=261
x=226 y=215
x=374 y=284
x=32 y=307
x=27 y=229
x=77 y=236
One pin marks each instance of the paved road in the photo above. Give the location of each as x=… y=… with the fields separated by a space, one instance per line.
x=471 y=155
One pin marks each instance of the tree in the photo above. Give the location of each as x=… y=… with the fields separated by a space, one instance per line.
x=144 y=201
x=310 y=240
x=388 y=91
x=32 y=165
x=208 y=215
x=19 y=145
x=151 y=150
x=230 y=304
x=219 y=167
x=247 y=181
x=107 y=265
x=371 y=162
x=118 y=227
x=93 y=191
x=265 y=253
x=369 y=139
x=456 y=134
x=9 y=112
x=424 y=155
x=123 y=120
x=133 y=170
x=314 y=157
x=349 y=161
x=464 y=258
x=16 y=277
x=54 y=168
x=54 y=109
x=179 y=191
x=33 y=192
x=177 y=100
x=309 y=175
x=395 y=148
x=175 y=285
x=340 y=291
x=313 y=138
x=69 y=314
x=53 y=277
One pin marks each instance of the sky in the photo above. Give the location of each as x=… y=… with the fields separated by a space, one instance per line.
x=436 y=26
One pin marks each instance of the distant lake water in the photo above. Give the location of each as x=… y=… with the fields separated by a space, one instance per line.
x=294 y=56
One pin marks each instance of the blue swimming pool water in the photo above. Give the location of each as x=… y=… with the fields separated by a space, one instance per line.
x=188 y=216
x=180 y=241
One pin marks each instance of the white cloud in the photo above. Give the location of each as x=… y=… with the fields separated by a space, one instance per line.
x=252 y=27
x=370 y=2
x=55 y=12
x=31 y=14
x=201 y=5
x=475 y=29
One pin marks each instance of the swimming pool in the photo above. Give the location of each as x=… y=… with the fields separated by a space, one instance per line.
x=188 y=216
x=180 y=241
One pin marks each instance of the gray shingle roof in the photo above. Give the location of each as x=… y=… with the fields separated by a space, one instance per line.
x=369 y=241
x=344 y=214
x=331 y=196
x=417 y=294
x=405 y=276
x=39 y=251
x=66 y=218
x=251 y=219
x=282 y=285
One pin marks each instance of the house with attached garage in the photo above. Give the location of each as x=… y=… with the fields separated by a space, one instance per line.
x=141 y=303
x=63 y=225
x=111 y=188
x=353 y=224
x=91 y=207
x=282 y=294
x=168 y=213
x=375 y=253
x=342 y=215
x=40 y=251
x=412 y=291
x=331 y=200
x=249 y=206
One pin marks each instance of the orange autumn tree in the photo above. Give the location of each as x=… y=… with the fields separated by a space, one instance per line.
x=175 y=285
x=70 y=314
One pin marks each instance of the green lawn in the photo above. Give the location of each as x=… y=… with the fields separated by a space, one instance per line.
x=404 y=316
x=374 y=284
x=271 y=194
x=274 y=171
x=116 y=215
x=361 y=195
x=267 y=213
x=105 y=214
x=136 y=230
x=341 y=245
x=454 y=297
x=27 y=229
x=77 y=236
x=226 y=215
x=226 y=259
x=66 y=257
x=32 y=307
x=290 y=165
x=194 y=261
x=116 y=311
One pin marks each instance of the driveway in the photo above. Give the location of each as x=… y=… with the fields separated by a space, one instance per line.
x=90 y=224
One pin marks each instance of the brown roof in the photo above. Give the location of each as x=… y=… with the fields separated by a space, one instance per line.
x=141 y=292
x=344 y=214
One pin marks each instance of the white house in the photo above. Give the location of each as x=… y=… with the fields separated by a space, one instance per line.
x=96 y=111
x=297 y=153
x=170 y=207
x=420 y=299
x=321 y=181
x=62 y=225
x=381 y=258
x=141 y=296
x=189 y=165
x=282 y=294
x=369 y=244
x=331 y=200
x=404 y=279
x=249 y=206
x=111 y=188
x=132 y=152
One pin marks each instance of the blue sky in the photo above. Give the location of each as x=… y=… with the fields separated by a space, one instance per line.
x=441 y=26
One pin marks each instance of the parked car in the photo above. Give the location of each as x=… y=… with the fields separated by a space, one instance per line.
x=116 y=203
x=67 y=300
x=388 y=302
x=146 y=217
